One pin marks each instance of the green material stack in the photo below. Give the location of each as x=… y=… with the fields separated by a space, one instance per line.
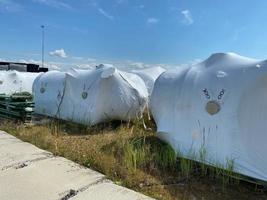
x=17 y=106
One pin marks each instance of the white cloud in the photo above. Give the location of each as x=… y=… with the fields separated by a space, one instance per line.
x=188 y=19
x=139 y=65
x=59 y=53
x=120 y=1
x=49 y=65
x=77 y=57
x=105 y=14
x=9 y=6
x=141 y=6
x=80 y=30
x=152 y=20
x=83 y=59
x=55 y=4
x=85 y=66
x=191 y=62
x=80 y=62
x=90 y=59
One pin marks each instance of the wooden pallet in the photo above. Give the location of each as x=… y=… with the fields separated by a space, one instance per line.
x=17 y=106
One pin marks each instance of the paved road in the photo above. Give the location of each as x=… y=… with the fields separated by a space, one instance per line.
x=29 y=173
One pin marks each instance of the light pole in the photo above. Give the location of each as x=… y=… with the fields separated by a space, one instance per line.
x=42 y=45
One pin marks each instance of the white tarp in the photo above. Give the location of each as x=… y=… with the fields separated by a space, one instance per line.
x=14 y=81
x=90 y=96
x=149 y=76
x=219 y=108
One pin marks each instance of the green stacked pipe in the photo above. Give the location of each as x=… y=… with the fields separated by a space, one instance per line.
x=17 y=106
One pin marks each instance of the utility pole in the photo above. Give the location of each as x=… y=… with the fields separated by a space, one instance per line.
x=42 y=45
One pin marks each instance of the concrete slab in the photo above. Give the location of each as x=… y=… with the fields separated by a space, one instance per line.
x=30 y=173
x=46 y=179
x=16 y=152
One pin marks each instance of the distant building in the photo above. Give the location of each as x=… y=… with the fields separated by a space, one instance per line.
x=22 y=67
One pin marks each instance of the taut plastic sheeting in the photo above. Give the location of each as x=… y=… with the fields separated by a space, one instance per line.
x=216 y=112
x=14 y=81
x=90 y=96
x=149 y=76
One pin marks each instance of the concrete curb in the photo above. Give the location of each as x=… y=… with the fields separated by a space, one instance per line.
x=27 y=172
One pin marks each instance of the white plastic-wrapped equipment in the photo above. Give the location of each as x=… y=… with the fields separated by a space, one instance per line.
x=48 y=91
x=90 y=96
x=14 y=81
x=216 y=112
x=149 y=76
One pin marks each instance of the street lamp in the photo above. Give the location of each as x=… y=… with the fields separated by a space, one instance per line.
x=42 y=45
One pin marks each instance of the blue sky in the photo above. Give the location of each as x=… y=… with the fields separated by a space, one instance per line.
x=131 y=32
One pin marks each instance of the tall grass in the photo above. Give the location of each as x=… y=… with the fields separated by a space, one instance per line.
x=145 y=152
